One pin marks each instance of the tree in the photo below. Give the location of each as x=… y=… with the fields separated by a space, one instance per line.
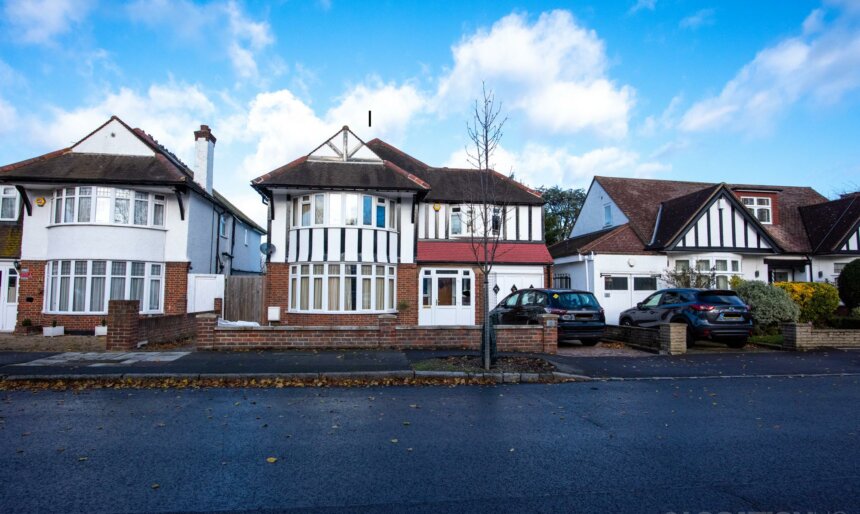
x=560 y=211
x=849 y=284
x=485 y=211
x=689 y=277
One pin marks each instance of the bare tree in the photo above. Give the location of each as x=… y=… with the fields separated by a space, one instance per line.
x=486 y=208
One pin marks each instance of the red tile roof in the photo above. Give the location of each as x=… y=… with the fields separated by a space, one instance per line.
x=506 y=253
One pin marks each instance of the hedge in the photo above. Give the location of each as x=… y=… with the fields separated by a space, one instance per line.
x=849 y=284
x=769 y=305
x=817 y=301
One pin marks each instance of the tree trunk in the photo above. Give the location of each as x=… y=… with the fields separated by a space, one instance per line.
x=486 y=357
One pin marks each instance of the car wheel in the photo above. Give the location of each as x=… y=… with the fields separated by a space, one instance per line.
x=626 y=322
x=738 y=342
x=589 y=342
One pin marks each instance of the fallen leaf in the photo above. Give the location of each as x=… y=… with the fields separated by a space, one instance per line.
x=406 y=423
x=394 y=441
x=272 y=460
x=155 y=486
x=81 y=459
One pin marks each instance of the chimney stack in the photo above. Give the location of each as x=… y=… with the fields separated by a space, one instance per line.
x=205 y=152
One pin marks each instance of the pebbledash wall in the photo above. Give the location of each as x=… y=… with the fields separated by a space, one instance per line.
x=31 y=299
x=385 y=333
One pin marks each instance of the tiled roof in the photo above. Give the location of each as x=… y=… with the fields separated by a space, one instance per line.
x=305 y=173
x=621 y=240
x=506 y=253
x=455 y=184
x=640 y=200
x=678 y=212
x=829 y=223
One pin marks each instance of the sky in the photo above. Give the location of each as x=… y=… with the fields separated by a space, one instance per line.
x=764 y=92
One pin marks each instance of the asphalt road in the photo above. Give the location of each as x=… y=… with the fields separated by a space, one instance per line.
x=712 y=445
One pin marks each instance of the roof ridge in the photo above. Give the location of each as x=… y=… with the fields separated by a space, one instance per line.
x=610 y=234
x=398 y=150
x=414 y=178
x=43 y=157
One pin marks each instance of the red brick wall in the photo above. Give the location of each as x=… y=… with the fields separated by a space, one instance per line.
x=176 y=287
x=168 y=328
x=383 y=334
x=30 y=294
x=123 y=324
x=277 y=284
x=407 y=293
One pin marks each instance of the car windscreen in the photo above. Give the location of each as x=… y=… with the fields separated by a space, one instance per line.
x=574 y=301
x=720 y=298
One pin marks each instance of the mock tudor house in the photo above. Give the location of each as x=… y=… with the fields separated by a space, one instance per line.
x=115 y=216
x=362 y=229
x=630 y=231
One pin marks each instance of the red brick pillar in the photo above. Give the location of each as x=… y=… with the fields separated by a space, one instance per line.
x=387 y=332
x=219 y=309
x=123 y=324
x=550 y=333
x=204 y=325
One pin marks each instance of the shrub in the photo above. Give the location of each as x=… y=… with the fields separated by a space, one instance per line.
x=849 y=284
x=769 y=305
x=817 y=300
x=735 y=282
x=845 y=323
x=855 y=313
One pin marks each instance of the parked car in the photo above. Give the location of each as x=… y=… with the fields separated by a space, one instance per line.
x=714 y=314
x=580 y=316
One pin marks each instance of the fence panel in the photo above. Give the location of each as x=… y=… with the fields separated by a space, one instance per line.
x=243 y=299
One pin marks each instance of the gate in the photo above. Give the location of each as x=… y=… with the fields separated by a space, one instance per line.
x=243 y=298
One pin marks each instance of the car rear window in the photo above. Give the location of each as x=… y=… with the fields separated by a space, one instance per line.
x=720 y=298
x=574 y=301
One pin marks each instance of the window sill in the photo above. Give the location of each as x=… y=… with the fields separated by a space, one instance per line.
x=345 y=226
x=56 y=313
x=56 y=225
x=350 y=313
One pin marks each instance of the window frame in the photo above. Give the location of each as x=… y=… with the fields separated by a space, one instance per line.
x=16 y=202
x=313 y=274
x=106 y=197
x=153 y=272
x=759 y=203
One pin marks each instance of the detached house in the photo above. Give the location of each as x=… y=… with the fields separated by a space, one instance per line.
x=115 y=216
x=362 y=229
x=632 y=230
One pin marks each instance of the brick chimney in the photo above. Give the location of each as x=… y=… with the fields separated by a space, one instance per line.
x=205 y=153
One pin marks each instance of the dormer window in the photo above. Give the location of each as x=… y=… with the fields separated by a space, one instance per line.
x=760 y=207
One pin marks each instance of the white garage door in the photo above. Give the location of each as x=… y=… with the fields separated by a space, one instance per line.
x=510 y=278
x=621 y=292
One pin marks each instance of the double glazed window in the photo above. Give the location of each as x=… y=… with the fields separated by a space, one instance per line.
x=343 y=209
x=107 y=205
x=317 y=287
x=759 y=207
x=721 y=269
x=8 y=203
x=77 y=286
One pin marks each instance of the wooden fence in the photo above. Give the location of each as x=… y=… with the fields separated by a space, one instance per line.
x=243 y=298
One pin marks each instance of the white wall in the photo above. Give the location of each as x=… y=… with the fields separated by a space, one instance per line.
x=433 y=224
x=591 y=217
x=114 y=139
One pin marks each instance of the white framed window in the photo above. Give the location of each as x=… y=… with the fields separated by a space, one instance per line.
x=8 y=203
x=344 y=209
x=607 y=215
x=336 y=288
x=456 y=221
x=246 y=236
x=760 y=207
x=107 y=205
x=222 y=225
x=85 y=286
x=720 y=268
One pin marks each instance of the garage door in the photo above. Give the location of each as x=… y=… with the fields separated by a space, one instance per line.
x=621 y=292
x=510 y=279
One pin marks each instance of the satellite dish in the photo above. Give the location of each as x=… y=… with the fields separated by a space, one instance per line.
x=267 y=248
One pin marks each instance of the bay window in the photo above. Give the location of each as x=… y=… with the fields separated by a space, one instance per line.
x=334 y=288
x=80 y=286
x=107 y=205
x=343 y=209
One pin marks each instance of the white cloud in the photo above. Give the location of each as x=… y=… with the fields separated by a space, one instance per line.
x=553 y=71
x=394 y=108
x=8 y=117
x=239 y=37
x=821 y=65
x=40 y=21
x=642 y=4
x=699 y=19
x=541 y=165
x=169 y=112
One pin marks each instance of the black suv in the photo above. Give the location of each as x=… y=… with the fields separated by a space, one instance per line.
x=708 y=313
x=580 y=317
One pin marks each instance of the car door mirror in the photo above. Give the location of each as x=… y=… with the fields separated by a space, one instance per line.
x=640 y=306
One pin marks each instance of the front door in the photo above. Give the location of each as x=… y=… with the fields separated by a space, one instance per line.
x=8 y=298
x=446 y=296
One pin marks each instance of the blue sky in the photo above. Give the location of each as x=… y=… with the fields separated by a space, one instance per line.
x=736 y=91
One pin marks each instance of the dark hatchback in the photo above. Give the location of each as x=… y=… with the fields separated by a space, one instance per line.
x=580 y=317
x=719 y=315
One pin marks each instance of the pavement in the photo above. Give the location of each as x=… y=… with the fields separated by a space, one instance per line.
x=709 y=445
x=600 y=366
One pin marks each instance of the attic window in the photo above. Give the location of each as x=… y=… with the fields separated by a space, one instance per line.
x=760 y=207
x=607 y=215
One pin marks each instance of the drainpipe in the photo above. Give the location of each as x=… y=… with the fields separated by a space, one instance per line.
x=232 y=243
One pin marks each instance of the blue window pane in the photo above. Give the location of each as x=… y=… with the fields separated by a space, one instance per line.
x=380 y=216
x=368 y=210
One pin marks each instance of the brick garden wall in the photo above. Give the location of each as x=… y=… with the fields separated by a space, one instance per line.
x=127 y=328
x=385 y=333
x=802 y=336
x=667 y=339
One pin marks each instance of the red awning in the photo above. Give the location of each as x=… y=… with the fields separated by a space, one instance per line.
x=506 y=253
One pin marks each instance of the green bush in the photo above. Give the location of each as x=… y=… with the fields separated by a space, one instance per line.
x=817 y=300
x=855 y=313
x=845 y=323
x=769 y=305
x=849 y=284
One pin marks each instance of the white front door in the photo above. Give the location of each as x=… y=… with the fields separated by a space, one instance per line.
x=8 y=298
x=446 y=296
